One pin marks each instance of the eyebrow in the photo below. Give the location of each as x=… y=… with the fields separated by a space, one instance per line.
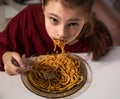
x=72 y=19
x=53 y=15
x=76 y=19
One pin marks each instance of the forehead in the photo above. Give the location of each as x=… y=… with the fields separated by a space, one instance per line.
x=55 y=7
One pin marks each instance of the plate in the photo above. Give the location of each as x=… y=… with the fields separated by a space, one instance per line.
x=81 y=87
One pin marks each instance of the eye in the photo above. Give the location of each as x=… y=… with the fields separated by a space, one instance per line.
x=73 y=24
x=53 y=20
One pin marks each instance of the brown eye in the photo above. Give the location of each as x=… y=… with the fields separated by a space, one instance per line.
x=73 y=24
x=53 y=20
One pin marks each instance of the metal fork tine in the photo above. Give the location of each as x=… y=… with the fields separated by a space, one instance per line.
x=45 y=75
x=49 y=75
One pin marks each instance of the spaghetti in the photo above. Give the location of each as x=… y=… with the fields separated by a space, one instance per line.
x=64 y=66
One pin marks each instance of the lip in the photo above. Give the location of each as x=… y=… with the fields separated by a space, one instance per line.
x=63 y=40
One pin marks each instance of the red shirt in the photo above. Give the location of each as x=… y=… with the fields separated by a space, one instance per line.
x=26 y=34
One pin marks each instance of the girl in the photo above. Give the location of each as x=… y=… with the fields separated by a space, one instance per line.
x=32 y=30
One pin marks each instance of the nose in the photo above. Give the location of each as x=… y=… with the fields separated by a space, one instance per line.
x=62 y=33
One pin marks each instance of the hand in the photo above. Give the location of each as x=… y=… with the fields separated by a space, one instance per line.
x=10 y=68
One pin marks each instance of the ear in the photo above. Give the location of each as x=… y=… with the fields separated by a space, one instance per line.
x=43 y=7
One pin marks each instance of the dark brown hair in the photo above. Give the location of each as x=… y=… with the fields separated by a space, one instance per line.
x=87 y=4
x=99 y=43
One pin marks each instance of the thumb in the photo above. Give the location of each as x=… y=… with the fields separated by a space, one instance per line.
x=20 y=61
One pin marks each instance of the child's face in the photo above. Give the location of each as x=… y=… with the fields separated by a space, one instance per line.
x=63 y=23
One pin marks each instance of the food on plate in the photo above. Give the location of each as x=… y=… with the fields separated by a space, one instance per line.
x=65 y=66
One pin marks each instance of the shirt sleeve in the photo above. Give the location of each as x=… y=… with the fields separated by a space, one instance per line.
x=13 y=37
x=19 y=32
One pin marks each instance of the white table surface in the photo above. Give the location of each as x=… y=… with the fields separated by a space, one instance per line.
x=105 y=81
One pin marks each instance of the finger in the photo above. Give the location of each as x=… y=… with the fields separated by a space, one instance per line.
x=23 y=56
x=15 y=70
x=11 y=72
x=21 y=70
x=18 y=58
x=11 y=69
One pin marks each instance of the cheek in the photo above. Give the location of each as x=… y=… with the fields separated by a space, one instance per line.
x=79 y=29
x=74 y=36
x=76 y=32
x=49 y=28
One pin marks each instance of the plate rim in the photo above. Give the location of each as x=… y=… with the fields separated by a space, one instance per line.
x=82 y=89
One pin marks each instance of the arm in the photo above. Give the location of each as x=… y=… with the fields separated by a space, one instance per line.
x=20 y=35
x=12 y=40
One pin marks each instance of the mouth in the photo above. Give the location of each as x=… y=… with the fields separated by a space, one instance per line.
x=62 y=40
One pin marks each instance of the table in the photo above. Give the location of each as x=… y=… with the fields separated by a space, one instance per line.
x=105 y=81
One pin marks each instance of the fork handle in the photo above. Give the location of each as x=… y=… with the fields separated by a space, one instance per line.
x=15 y=63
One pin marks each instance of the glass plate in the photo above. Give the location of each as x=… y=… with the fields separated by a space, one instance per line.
x=81 y=87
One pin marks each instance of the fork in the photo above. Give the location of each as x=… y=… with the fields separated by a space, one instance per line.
x=45 y=75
